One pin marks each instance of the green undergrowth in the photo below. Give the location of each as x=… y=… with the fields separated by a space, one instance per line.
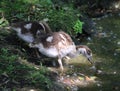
x=59 y=16
x=16 y=74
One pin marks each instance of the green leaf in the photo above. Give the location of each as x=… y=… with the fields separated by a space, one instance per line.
x=78 y=26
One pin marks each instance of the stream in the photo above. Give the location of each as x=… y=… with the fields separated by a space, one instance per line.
x=79 y=75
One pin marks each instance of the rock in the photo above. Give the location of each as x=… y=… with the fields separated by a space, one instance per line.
x=117 y=50
x=93 y=68
x=118 y=43
x=88 y=28
x=102 y=35
x=28 y=89
x=99 y=72
x=58 y=87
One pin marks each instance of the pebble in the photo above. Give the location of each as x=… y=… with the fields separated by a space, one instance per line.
x=114 y=72
x=115 y=54
x=102 y=35
x=114 y=37
x=93 y=68
x=89 y=38
x=68 y=76
x=98 y=84
x=119 y=14
x=74 y=74
x=99 y=71
x=118 y=43
x=32 y=90
x=75 y=88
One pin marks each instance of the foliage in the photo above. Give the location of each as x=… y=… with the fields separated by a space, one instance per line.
x=3 y=22
x=59 y=16
x=23 y=9
x=15 y=72
x=40 y=77
x=63 y=19
x=78 y=26
x=5 y=55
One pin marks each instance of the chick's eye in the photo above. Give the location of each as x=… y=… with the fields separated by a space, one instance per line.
x=88 y=52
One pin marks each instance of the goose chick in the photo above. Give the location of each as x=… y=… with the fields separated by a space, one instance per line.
x=81 y=49
x=85 y=51
x=28 y=31
x=56 y=44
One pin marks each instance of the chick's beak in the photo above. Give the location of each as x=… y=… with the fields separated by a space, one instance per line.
x=90 y=60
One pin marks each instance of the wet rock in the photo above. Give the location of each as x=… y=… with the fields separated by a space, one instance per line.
x=93 y=68
x=116 y=5
x=117 y=50
x=58 y=87
x=89 y=39
x=99 y=85
x=114 y=72
x=28 y=89
x=102 y=35
x=75 y=74
x=99 y=72
x=73 y=82
x=88 y=28
x=119 y=14
x=115 y=54
x=118 y=43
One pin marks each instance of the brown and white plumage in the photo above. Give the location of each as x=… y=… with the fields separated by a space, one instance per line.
x=28 y=31
x=81 y=49
x=85 y=51
x=56 y=44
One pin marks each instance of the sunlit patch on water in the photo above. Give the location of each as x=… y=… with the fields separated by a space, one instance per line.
x=78 y=80
x=77 y=73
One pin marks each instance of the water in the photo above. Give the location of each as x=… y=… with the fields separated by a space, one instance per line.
x=106 y=49
x=105 y=76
